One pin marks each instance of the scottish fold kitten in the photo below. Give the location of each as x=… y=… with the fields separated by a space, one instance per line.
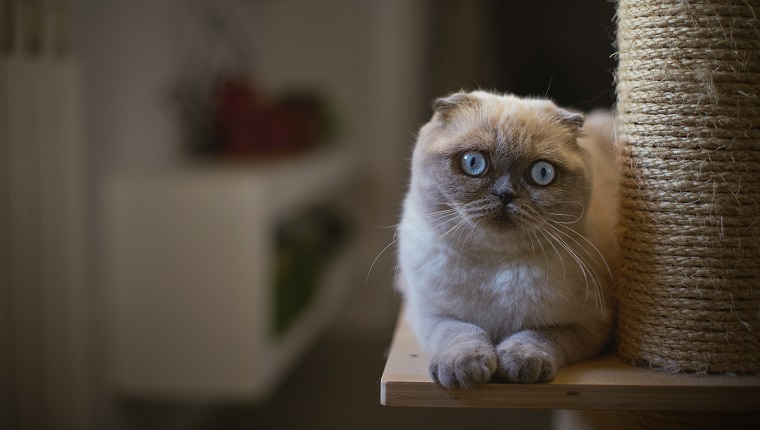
x=507 y=255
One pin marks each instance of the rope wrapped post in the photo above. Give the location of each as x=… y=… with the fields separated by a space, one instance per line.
x=688 y=84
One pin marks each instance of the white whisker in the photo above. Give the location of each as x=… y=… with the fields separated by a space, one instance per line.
x=446 y=215
x=609 y=271
x=577 y=217
x=433 y=217
x=376 y=258
x=459 y=224
x=583 y=264
x=561 y=260
x=586 y=269
x=472 y=229
x=577 y=260
x=546 y=257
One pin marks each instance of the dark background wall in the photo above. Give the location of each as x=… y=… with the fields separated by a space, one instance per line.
x=561 y=49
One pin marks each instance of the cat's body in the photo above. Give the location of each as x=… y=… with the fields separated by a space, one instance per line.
x=510 y=209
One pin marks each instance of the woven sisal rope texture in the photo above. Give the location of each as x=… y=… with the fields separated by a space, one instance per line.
x=688 y=84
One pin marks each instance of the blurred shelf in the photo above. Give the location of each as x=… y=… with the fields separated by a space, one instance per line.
x=599 y=383
x=286 y=180
x=190 y=272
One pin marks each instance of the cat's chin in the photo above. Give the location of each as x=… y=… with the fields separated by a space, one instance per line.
x=502 y=221
x=506 y=222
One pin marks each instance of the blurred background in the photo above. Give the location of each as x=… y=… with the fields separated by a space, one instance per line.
x=197 y=197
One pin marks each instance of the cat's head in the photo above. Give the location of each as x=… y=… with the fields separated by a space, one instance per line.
x=503 y=162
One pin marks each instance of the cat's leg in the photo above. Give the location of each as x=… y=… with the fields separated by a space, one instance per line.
x=535 y=355
x=461 y=354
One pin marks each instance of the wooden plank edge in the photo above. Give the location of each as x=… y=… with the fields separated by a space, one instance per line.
x=553 y=396
x=662 y=392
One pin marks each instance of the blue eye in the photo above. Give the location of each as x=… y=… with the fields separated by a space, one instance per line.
x=474 y=163
x=542 y=173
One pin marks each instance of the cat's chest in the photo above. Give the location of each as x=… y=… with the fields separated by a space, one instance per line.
x=499 y=282
x=501 y=296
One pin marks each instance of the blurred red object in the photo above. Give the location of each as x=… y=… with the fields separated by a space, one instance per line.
x=238 y=118
x=247 y=126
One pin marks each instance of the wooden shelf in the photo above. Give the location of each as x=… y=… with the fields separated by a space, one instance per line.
x=599 y=383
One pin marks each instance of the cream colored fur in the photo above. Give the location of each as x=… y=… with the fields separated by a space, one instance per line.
x=516 y=290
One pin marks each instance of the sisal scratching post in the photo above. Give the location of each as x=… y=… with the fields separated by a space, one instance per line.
x=688 y=85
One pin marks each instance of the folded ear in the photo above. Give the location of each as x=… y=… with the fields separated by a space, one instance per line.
x=447 y=107
x=573 y=120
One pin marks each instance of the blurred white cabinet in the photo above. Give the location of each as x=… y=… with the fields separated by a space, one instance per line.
x=189 y=271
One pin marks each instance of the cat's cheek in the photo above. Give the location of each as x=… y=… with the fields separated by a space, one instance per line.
x=524 y=360
x=464 y=365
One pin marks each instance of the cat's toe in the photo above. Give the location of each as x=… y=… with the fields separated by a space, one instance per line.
x=464 y=365
x=525 y=362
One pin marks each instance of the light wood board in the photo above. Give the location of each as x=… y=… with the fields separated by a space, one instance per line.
x=600 y=383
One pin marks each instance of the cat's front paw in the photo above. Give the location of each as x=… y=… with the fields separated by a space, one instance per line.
x=525 y=360
x=464 y=365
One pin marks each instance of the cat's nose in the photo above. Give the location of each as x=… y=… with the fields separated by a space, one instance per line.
x=506 y=197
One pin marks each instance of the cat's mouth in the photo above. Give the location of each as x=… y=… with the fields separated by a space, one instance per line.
x=498 y=217
x=503 y=217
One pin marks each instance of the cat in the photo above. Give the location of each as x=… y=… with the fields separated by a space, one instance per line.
x=506 y=248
